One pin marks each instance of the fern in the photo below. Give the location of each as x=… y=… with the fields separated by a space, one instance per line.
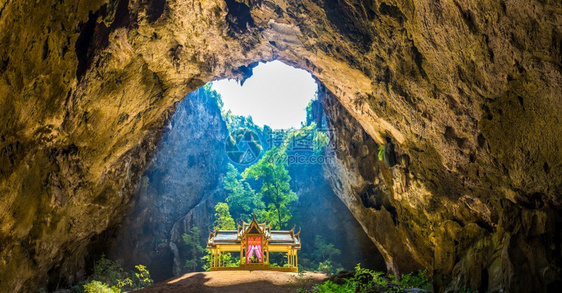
x=381 y=152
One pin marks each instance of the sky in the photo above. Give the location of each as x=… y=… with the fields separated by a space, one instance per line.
x=275 y=95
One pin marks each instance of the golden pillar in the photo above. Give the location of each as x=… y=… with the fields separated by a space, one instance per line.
x=293 y=260
x=291 y=255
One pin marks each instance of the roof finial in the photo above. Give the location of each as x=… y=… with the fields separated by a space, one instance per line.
x=297 y=235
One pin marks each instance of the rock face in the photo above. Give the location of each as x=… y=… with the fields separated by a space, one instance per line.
x=323 y=213
x=183 y=177
x=468 y=91
x=473 y=244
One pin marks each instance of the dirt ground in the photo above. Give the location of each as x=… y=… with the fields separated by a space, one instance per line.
x=237 y=281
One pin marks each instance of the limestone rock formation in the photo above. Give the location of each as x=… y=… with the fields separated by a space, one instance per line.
x=188 y=163
x=323 y=213
x=469 y=92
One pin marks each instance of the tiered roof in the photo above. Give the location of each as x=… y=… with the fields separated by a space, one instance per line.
x=234 y=237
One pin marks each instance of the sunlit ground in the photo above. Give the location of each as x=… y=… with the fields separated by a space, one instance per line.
x=238 y=281
x=275 y=95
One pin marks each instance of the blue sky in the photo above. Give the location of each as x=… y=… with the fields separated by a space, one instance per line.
x=275 y=95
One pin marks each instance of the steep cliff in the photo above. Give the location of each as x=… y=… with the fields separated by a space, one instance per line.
x=183 y=177
x=321 y=212
x=468 y=91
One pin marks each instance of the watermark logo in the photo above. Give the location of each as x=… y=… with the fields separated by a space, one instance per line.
x=243 y=146
x=294 y=158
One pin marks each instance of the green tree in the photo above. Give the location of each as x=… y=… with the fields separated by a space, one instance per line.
x=213 y=95
x=242 y=199
x=192 y=240
x=309 y=134
x=324 y=251
x=312 y=105
x=234 y=122
x=223 y=219
x=276 y=189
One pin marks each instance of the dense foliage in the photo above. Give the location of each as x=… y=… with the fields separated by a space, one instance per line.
x=223 y=219
x=272 y=173
x=192 y=240
x=242 y=199
x=365 y=280
x=110 y=277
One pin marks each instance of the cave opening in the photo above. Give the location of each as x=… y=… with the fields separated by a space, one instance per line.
x=275 y=94
x=211 y=170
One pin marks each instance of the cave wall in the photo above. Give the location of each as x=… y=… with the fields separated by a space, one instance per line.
x=183 y=177
x=487 y=246
x=321 y=212
x=469 y=92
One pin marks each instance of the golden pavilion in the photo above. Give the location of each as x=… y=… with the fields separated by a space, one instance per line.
x=254 y=242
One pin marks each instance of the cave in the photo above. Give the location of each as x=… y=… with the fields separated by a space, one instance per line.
x=185 y=178
x=467 y=92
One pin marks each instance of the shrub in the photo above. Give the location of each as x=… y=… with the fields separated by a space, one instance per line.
x=109 y=277
x=107 y=271
x=330 y=286
x=325 y=267
x=419 y=279
x=100 y=287
x=142 y=278
x=365 y=280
